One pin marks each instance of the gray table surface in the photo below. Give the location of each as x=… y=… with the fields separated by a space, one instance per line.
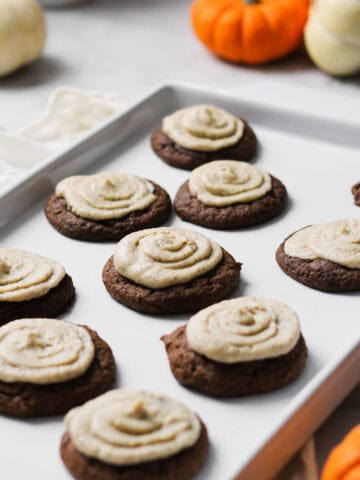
x=126 y=47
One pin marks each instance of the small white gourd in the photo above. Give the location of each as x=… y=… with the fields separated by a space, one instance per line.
x=332 y=36
x=22 y=33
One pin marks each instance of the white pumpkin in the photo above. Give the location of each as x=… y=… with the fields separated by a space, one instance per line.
x=22 y=33
x=332 y=36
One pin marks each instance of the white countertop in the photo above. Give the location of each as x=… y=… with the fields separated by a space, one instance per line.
x=125 y=47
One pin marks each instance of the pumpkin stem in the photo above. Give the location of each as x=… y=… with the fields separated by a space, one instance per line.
x=251 y=2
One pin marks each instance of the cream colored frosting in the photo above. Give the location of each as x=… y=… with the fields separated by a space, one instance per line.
x=25 y=275
x=125 y=427
x=106 y=196
x=42 y=351
x=161 y=257
x=243 y=329
x=203 y=127
x=338 y=242
x=227 y=182
x=71 y=114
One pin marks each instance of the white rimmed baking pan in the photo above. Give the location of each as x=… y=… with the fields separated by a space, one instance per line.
x=318 y=160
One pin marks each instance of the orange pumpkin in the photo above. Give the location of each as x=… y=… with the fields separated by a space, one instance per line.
x=343 y=463
x=250 y=31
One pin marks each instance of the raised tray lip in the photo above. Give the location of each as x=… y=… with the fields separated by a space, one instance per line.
x=57 y=158
x=306 y=395
x=340 y=361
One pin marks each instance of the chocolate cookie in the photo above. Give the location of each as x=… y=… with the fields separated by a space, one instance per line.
x=53 y=304
x=356 y=192
x=190 y=209
x=180 y=157
x=194 y=295
x=35 y=400
x=74 y=226
x=217 y=379
x=181 y=466
x=320 y=274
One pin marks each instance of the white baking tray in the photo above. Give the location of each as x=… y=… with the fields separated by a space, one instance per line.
x=251 y=438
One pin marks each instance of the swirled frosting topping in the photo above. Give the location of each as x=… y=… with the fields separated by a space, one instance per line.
x=161 y=257
x=43 y=351
x=204 y=128
x=243 y=329
x=125 y=427
x=338 y=242
x=25 y=275
x=226 y=182
x=106 y=196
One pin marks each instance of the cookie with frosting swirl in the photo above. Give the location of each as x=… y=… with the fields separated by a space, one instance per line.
x=49 y=366
x=128 y=433
x=230 y=194
x=164 y=257
x=238 y=347
x=32 y=286
x=198 y=134
x=169 y=270
x=325 y=256
x=106 y=206
x=243 y=330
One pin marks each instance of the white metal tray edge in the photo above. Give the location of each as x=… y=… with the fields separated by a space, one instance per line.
x=327 y=388
x=102 y=139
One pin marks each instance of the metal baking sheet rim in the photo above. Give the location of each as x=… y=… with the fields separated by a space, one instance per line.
x=40 y=178
x=315 y=403
x=327 y=388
